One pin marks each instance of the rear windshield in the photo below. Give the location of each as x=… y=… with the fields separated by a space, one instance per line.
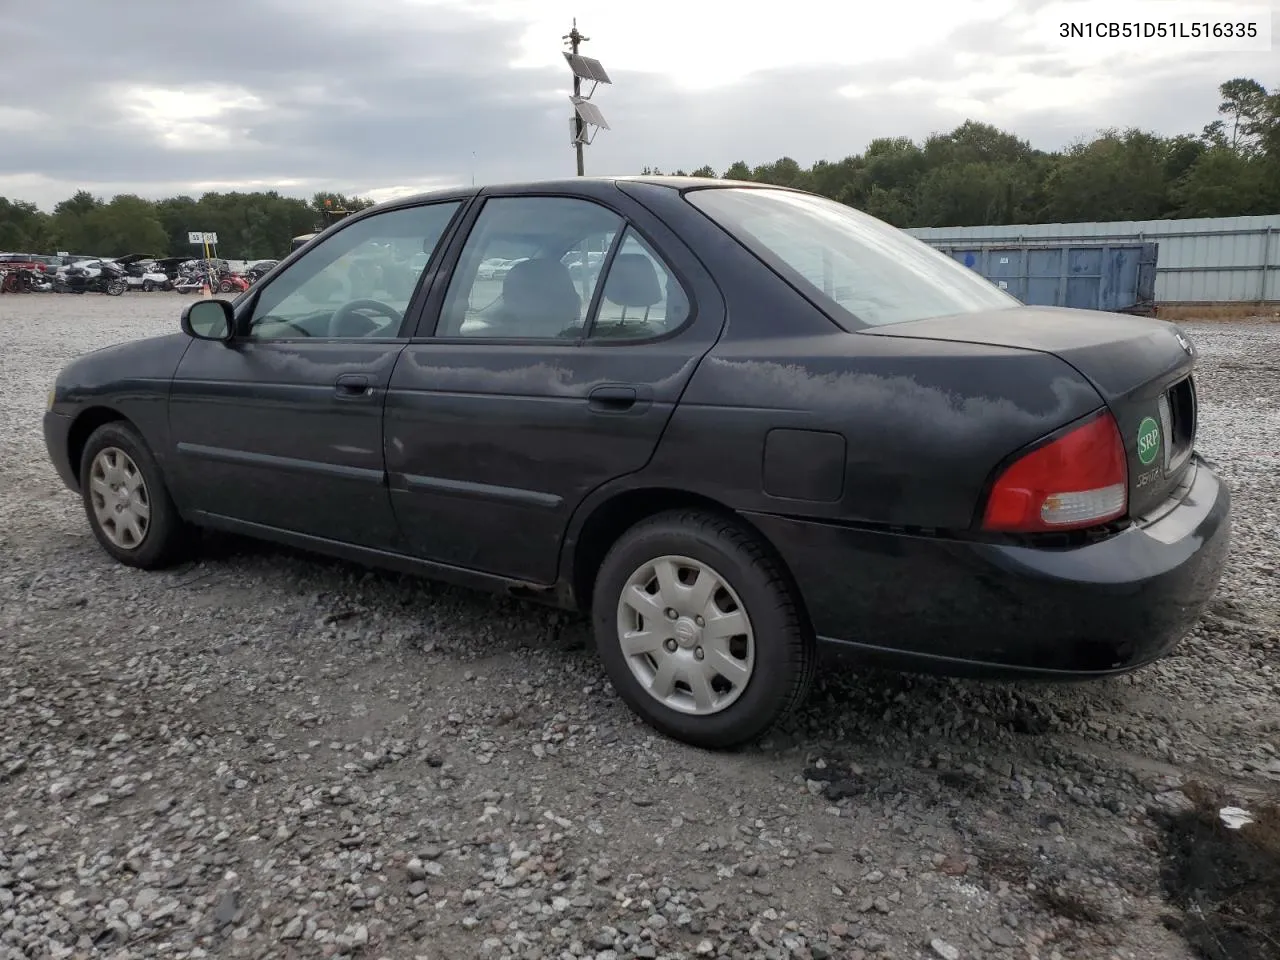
x=858 y=269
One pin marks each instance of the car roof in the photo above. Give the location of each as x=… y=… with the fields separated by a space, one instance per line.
x=570 y=185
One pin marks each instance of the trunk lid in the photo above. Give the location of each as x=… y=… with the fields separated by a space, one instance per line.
x=1142 y=369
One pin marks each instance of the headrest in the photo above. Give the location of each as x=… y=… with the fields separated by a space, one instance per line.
x=633 y=281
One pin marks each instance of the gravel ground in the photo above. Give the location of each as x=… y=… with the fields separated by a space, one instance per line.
x=267 y=755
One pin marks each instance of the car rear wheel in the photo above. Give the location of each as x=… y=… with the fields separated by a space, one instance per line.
x=127 y=502
x=699 y=630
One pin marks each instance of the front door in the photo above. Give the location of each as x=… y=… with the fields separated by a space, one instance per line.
x=282 y=426
x=564 y=340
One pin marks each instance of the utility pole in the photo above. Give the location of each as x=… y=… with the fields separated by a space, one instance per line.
x=585 y=113
x=579 y=127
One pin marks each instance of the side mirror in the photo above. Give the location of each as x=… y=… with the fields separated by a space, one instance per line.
x=209 y=320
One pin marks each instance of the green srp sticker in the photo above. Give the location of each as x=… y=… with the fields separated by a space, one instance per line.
x=1148 y=440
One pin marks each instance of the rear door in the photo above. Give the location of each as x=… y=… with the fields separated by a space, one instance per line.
x=565 y=337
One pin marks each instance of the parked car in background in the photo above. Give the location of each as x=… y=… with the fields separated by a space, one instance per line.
x=143 y=273
x=258 y=269
x=768 y=426
x=93 y=276
x=147 y=279
x=26 y=261
x=21 y=272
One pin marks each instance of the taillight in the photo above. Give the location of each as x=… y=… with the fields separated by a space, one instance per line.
x=1078 y=480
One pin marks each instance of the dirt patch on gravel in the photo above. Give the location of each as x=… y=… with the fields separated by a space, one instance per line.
x=1218 y=313
x=1225 y=880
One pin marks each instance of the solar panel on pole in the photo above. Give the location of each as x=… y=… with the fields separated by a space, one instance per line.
x=578 y=65
x=584 y=112
x=589 y=113
x=596 y=70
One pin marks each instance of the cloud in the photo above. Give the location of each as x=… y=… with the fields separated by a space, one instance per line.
x=389 y=96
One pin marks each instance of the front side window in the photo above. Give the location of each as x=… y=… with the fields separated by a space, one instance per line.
x=860 y=270
x=357 y=282
x=528 y=269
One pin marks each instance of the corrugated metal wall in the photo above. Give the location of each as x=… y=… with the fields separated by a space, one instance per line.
x=1202 y=260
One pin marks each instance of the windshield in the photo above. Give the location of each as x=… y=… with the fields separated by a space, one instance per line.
x=858 y=269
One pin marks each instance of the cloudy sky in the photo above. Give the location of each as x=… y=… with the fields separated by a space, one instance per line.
x=381 y=97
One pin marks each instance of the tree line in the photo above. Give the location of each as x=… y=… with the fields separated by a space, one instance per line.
x=977 y=174
x=250 y=226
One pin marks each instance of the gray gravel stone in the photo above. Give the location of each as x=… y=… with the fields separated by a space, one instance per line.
x=260 y=748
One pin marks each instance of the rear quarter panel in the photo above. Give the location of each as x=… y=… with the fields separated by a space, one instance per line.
x=924 y=422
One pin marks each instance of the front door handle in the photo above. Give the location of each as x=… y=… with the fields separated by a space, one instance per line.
x=352 y=385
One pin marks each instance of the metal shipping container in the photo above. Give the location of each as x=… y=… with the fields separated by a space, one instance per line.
x=1117 y=277
x=1202 y=260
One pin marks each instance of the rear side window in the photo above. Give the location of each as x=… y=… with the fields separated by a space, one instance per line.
x=860 y=270
x=641 y=298
x=528 y=269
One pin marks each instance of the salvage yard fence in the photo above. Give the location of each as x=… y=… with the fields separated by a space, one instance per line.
x=1205 y=260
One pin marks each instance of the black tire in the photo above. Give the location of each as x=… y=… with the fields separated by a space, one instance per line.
x=167 y=537
x=116 y=287
x=147 y=286
x=785 y=651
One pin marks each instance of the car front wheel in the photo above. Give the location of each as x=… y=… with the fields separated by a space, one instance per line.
x=126 y=500
x=699 y=630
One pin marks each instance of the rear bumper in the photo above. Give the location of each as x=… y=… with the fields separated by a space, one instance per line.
x=57 y=430
x=981 y=609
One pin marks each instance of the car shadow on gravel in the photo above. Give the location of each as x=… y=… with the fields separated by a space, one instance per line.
x=1225 y=881
x=862 y=696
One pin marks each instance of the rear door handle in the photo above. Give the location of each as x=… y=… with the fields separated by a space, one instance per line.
x=620 y=398
x=352 y=385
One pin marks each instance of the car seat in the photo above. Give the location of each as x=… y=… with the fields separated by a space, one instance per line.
x=538 y=300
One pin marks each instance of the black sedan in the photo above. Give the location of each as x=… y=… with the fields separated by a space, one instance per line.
x=767 y=427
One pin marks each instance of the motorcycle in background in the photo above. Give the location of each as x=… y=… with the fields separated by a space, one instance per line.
x=195 y=280
x=20 y=280
x=232 y=283
x=192 y=282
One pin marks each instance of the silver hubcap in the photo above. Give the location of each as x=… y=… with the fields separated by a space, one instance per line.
x=686 y=635
x=120 y=500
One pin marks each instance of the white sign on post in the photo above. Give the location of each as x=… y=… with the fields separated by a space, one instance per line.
x=196 y=236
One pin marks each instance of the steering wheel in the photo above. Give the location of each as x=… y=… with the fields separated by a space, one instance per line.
x=351 y=306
